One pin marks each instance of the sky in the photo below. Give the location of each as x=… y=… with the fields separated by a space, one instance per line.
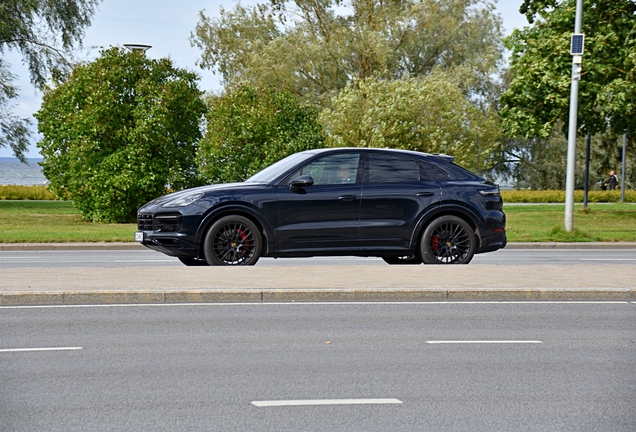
x=166 y=25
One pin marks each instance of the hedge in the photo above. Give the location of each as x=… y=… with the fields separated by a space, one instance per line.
x=558 y=196
x=19 y=192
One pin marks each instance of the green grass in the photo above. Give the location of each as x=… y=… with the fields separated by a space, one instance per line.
x=59 y=221
x=54 y=221
x=599 y=222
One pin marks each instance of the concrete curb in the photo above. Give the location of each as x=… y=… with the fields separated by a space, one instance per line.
x=137 y=246
x=311 y=295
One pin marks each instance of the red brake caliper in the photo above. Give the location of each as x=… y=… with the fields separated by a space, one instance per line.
x=246 y=244
x=435 y=244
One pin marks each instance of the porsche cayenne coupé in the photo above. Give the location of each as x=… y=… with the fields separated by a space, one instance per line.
x=406 y=207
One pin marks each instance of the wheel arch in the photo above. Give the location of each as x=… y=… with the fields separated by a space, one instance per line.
x=234 y=210
x=447 y=210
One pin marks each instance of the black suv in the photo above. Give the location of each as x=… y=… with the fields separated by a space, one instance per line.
x=406 y=207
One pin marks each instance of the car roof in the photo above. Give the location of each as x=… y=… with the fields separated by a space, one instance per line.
x=443 y=157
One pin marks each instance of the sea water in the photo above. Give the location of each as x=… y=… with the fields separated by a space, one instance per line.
x=12 y=171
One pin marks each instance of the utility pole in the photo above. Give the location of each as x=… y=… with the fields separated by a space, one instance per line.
x=576 y=49
x=623 y=167
x=588 y=139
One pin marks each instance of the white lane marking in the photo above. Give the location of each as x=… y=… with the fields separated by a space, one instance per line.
x=484 y=342
x=608 y=259
x=310 y=304
x=143 y=260
x=40 y=349
x=325 y=402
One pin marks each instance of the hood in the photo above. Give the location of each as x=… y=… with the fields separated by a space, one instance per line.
x=201 y=189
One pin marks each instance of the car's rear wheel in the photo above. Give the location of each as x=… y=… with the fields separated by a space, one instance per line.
x=411 y=259
x=193 y=261
x=448 y=240
x=232 y=240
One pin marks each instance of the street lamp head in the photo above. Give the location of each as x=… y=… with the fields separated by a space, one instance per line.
x=138 y=47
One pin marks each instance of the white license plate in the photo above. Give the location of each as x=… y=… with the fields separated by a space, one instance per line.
x=139 y=236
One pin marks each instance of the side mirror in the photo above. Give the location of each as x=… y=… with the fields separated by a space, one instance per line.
x=301 y=182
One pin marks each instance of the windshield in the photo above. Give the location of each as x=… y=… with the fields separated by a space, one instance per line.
x=274 y=171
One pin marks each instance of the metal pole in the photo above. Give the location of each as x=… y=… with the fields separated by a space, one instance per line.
x=587 y=169
x=623 y=168
x=574 y=105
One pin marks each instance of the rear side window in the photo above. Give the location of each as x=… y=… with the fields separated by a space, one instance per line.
x=429 y=172
x=392 y=169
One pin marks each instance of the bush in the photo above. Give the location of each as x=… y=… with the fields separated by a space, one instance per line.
x=558 y=196
x=19 y=192
x=118 y=132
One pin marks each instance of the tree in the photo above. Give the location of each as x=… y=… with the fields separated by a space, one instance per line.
x=44 y=32
x=248 y=130
x=14 y=131
x=429 y=114
x=315 y=48
x=538 y=96
x=537 y=100
x=118 y=132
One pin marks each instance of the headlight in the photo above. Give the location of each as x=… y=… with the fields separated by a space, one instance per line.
x=183 y=201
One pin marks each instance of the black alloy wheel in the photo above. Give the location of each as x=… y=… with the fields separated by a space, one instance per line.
x=232 y=240
x=193 y=261
x=403 y=260
x=448 y=240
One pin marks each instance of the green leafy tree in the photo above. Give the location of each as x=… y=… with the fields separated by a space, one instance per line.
x=249 y=129
x=537 y=100
x=44 y=32
x=315 y=48
x=118 y=131
x=541 y=65
x=429 y=114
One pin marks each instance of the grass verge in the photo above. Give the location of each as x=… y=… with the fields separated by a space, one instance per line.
x=544 y=223
x=54 y=222
x=59 y=221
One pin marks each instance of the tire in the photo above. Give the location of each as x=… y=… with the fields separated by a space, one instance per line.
x=193 y=261
x=448 y=240
x=232 y=240
x=403 y=260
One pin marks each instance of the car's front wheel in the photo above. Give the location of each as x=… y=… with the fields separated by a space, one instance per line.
x=448 y=240
x=232 y=240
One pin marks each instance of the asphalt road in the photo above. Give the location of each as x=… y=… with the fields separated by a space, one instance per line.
x=141 y=258
x=537 y=366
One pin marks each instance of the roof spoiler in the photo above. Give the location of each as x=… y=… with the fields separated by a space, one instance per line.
x=443 y=157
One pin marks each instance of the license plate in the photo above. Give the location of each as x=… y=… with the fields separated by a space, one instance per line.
x=139 y=236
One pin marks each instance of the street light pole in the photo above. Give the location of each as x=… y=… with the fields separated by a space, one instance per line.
x=574 y=106
x=623 y=167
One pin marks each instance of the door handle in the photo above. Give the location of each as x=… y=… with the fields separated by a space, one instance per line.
x=347 y=197
x=425 y=194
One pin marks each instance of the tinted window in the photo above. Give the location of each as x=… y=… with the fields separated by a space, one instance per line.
x=432 y=173
x=333 y=169
x=392 y=169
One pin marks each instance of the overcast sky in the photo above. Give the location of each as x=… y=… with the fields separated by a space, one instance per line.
x=166 y=26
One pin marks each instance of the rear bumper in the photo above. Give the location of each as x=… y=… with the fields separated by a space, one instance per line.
x=493 y=242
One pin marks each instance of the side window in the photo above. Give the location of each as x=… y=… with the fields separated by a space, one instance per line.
x=392 y=169
x=333 y=169
x=432 y=173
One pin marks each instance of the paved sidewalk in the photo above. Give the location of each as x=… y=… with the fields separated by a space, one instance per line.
x=316 y=283
x=35 y=286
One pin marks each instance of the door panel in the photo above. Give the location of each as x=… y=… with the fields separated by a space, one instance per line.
x=324 y=216
x=394 y=195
